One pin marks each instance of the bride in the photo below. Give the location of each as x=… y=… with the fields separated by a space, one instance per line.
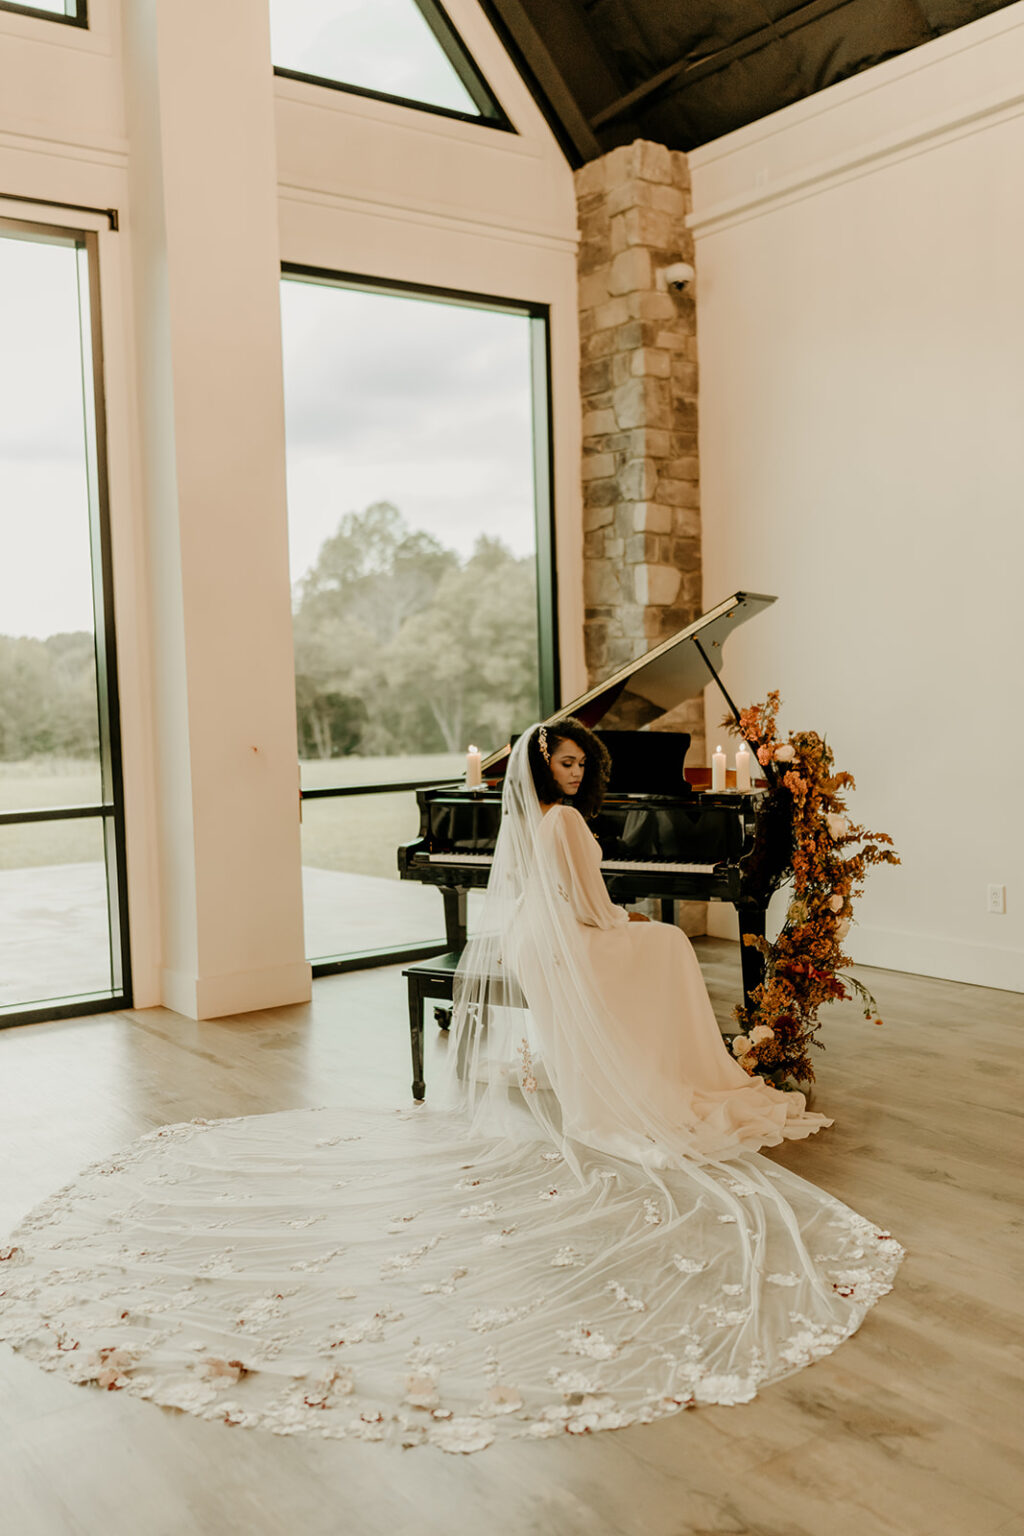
x=618 y=1011
x=588 y=1238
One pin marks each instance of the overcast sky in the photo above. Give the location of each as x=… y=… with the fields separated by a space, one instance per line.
x=384 y=45
x=395 y=399
x=45 y=580
x=388 y=398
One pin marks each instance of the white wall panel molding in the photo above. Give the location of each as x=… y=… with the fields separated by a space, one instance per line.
x=340 y=103
x=401 y=161
x=63 y=83
x=947 y=956
x=874 y=156
x=430 y=215
x=958 y=85
x=20 y=139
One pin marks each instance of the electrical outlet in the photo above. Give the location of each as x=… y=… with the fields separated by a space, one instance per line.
x=996 y=898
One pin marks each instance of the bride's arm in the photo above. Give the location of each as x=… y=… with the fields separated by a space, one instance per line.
x=578 y=871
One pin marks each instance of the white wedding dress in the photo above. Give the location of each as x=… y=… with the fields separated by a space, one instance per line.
x=588 y=1240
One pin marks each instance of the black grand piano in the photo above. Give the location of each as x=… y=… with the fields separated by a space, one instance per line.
x=661 y=837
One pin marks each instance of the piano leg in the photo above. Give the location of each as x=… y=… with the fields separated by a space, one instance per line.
x=668 y=909
x=454 y=917
x=419 y=1089
x=752 y=920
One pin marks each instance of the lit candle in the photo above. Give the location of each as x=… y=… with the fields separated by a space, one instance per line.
x=718 y=769
x=474 y=777
x=743 y=766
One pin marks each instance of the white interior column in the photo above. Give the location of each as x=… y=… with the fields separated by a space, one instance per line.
x=207 y=314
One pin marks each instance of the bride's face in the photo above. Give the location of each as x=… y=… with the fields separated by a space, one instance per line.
x=567 y=766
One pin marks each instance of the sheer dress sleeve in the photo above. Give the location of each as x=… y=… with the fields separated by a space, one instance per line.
x=577 y=855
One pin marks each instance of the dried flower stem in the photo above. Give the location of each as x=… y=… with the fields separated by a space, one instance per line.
x=804 y=967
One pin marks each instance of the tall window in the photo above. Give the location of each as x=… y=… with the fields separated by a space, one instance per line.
x=405 y=51
x=419 y=515
x=63 y=931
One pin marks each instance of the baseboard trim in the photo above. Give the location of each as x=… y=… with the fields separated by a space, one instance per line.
x=213 y=997
x=948 y=959
x=916 y=954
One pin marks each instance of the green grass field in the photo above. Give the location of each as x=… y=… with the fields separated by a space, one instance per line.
x=49 y=781
x=358 y=835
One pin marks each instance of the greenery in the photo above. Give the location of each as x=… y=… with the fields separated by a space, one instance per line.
x=401 y=647
x=360 y=834
x=405 y=653
x=47 y=696
x=49 y=781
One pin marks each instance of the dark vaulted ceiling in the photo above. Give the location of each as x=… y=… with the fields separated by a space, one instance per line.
x=682 y=72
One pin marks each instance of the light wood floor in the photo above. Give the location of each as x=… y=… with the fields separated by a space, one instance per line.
x=915 y=1427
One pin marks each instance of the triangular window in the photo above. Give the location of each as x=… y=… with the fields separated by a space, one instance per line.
x=71 y=11
x=405 y=51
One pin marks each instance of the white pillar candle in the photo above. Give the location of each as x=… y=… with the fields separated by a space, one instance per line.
x=473 y=773
x=718 y=769
x=743 y=767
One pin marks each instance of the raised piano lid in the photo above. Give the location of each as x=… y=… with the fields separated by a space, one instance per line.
x=674 y=671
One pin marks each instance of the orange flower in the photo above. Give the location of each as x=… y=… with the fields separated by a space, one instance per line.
x=802 y=965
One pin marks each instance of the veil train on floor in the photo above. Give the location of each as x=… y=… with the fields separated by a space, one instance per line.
x=582 y=1243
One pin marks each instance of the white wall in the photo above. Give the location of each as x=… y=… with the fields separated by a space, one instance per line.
x=860 y=298
x=147 y=112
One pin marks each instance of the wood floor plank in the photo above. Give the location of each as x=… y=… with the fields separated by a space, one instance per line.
x=915 y=1427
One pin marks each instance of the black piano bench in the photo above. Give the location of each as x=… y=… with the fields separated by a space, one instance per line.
x=429 y=978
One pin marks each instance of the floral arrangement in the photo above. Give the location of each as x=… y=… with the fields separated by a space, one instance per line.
x=829 y=859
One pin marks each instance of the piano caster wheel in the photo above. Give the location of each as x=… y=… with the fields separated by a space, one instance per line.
x=443 y=1018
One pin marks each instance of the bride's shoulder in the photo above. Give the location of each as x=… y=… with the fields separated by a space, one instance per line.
x=568 y=814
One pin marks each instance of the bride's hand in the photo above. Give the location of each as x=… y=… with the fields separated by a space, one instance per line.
x=638 y=917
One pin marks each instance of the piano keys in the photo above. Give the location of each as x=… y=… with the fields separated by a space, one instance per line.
x=660 y=837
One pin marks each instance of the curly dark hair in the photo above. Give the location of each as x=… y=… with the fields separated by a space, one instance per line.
x=597 y=766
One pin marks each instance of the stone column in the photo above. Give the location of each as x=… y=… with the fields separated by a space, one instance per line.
x=642 y=577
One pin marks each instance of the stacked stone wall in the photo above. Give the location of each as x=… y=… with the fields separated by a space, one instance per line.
x=642 y=574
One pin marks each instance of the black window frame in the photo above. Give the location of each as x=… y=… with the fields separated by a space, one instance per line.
x=110 y=809
x=548 y=659
x=490 y=113
x=79 y=17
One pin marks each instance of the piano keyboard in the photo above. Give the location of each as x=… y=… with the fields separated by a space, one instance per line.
x=615 y=866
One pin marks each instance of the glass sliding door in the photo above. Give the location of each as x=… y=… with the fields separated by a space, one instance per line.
x=420 y=533
x=63 y=915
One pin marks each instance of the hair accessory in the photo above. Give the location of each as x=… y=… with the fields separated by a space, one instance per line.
x=542 y=742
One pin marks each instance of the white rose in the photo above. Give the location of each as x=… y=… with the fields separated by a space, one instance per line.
x=835 y=901
x=761 y=1032
x=838 y=826
x=741 y=1045
x=785 y=754
x=843 y=928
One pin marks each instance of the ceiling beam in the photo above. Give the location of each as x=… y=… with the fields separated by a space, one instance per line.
x=689 y=72
x=544 y=79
